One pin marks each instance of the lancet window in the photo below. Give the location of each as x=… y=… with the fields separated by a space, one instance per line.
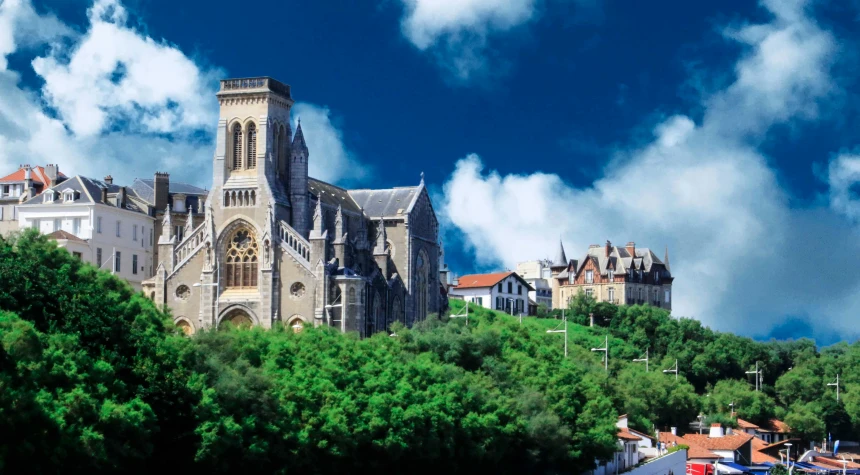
x=237 y=147
x=252 y=146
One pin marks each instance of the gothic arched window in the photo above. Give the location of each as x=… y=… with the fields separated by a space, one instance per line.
x=241 y=260
x=237 y=147
x=252 y=146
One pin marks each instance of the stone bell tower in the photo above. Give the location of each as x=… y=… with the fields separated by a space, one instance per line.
x=254 y=144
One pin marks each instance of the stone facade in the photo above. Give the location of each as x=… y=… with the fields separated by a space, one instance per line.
x=275 y=246
x=620 y=275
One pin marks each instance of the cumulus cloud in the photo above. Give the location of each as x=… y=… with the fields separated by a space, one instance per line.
x=114 y=100
x=329 y=160
x=457 y=32
x=117 y=101
x=742 y=256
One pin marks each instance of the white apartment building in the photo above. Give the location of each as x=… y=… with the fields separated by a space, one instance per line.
x=539 y=275
x=96 y=221
x=505 y=291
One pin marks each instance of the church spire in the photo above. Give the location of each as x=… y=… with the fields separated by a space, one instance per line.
x=318 y=219
x=189 y=223
x=561 y=257
x=666 y=259
x=299 y=139
x=339 y=225
x=381 y=239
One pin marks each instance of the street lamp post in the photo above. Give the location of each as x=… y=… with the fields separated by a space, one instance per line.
x=217 y=286
x=674 y=370
x=605 y=351
x=837 y=386
x=758 y=377
x=645 y=359
x=564 y=321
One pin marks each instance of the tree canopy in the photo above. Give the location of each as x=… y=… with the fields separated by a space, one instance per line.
x=94 y=377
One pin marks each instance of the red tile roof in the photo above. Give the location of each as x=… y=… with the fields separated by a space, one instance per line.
x=775 y=425
x=726 y=442
x=837 y=463
x=757 y=455
x=63 y=235
x=696 y=452
x=476 y=281
x=37 y=175
x=625 y=434
x=746 y=425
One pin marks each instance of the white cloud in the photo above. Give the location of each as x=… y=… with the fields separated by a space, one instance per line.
x=116 y=74
x=743 y=258
x=117 y=101
x=843 y=174
x=329 y=159
x=457 y=32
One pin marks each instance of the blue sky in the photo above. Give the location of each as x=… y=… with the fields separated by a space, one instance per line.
x=726 y=130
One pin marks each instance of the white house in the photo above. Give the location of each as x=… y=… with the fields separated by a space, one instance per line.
x=96 y=221
x=539 y=275
x=505 y=291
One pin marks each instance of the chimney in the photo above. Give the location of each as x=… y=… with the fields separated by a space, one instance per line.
x=631 y=248
x=109 y=180
x=608 y=248
x=29 y=192
x=120 y=197
x=729 y=431
x=674 y=430
x=716 y=431
x=52 y=171
x=160 y=187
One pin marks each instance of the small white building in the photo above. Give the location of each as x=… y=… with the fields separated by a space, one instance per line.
x=96 y=221
x=539 y=275
x=505 y=291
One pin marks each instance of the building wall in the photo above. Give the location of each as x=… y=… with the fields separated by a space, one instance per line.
x=106 y=240
x=8 y=217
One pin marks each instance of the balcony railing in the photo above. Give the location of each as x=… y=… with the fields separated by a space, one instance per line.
x=255 y=83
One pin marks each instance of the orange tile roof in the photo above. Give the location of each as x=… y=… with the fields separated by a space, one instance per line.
x=38 y=176
x=837 y=463
x=776 y=425
x=60 y=235
x=696 y=452
x=726 y=442
x=757 y=455
x=746 y=425
x=476 y=281
x=625 y=434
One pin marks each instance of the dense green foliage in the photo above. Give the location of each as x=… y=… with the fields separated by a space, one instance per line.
x=93 y=377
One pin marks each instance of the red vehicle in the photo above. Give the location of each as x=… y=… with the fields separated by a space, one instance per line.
x=700 y=469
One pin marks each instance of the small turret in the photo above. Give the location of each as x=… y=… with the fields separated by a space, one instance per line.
x=380 y=249
x=299 y=181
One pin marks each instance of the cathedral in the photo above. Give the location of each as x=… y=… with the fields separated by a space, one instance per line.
x=275 y=245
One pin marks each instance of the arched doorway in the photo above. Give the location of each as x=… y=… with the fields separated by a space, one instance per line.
x=237 y=319
x=296 y=323
x=185 y=326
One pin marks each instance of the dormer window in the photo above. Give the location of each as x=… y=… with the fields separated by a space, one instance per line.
x=49 y=196
x=179 y=204
x=69 y=196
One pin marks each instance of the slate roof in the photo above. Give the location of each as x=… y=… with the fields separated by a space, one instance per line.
x=387 y=202
x=89 y=190
x=144 y=188
x=560 y=258
x=63 y=235
x=332 y=195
